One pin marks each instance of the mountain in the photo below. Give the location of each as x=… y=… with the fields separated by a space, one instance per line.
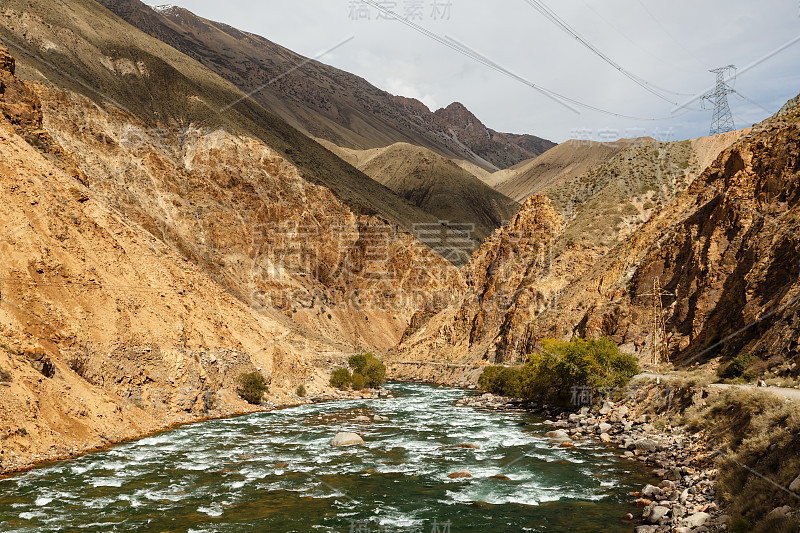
x=520 y=275
x=167 y=90
x=156 y=248
x=724 y=252
x=558 y=165
x=323 y=101
x=95 y=309
x=438 y=186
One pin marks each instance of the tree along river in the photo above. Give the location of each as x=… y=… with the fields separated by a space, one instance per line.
x=226 y=475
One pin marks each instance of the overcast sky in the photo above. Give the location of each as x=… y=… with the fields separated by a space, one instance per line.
x=669 y=45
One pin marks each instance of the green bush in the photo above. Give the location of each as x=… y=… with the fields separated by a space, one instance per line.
x=301 y=391
x=358 y=381
x=359 y=362
x=736 y=368
x=375 y=374
x=251 y=386
x=551 y=374
x=370 y=368
x=501 y=380
x=340 y=378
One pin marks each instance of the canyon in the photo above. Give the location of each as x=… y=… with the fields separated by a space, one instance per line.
x=165 y=229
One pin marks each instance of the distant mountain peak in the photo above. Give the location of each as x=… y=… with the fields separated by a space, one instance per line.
x=325 y=102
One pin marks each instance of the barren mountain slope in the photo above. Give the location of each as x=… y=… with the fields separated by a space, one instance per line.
x=437 y=185
x=106 y=332
x=150 y=262
x=727 y=249
x=81 y=46
x=323 y=101
x=558 y=165
x=729 y=253
x=224 y=198
x=246 y=216
x=558 y=168
x=598 y=210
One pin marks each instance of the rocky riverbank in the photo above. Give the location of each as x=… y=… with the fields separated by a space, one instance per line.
x=683 y=500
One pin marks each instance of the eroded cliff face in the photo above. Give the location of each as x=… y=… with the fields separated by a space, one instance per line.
x=145 y=267
x=96 y=316
x=247 y=217
x=726 y=256
x=500 y=293
x=732 y=257
x=580 y=221
x=724 y=250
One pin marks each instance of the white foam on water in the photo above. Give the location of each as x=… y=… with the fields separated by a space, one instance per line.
x=112 y=465
x=214 y=510
x=80 y=469
x=30 y=515
x=520 y=496
x=108 y=525
x=195 y=467
x=161 y=495
x=97 y=503
x=106 y=482
x=133 y=501
x=394 y=519
x=41 y=501
x=251 y=472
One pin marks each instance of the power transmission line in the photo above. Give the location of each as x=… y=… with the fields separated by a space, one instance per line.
x=722 y=120
x=639 y=46
x=548 y=13
x=483 y=59
x=475 y=56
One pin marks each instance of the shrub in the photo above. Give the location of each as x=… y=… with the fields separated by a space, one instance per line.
x=340 y=378
x=375 y=374
x=501 y=380
x=560 y=366
x=359 y=362
x=370 y=368
x=358 y=381
x=301 y=391
x=251 y=386
x=736 y=368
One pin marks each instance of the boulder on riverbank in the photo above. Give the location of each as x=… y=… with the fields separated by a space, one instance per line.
x=558 y=434
x=345 y=438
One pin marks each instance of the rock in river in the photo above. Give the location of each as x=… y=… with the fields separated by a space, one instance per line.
x=345 y=438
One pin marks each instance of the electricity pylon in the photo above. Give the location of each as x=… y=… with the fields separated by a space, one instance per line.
x=722 y=121
x=660 y=346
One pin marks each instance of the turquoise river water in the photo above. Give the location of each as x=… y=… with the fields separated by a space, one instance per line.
x=221 y=476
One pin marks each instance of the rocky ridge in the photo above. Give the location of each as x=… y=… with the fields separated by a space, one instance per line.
x=323 y=101
x=438 y=186
x=715 y=245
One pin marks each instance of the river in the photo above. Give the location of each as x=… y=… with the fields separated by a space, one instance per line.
x=221 y=476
